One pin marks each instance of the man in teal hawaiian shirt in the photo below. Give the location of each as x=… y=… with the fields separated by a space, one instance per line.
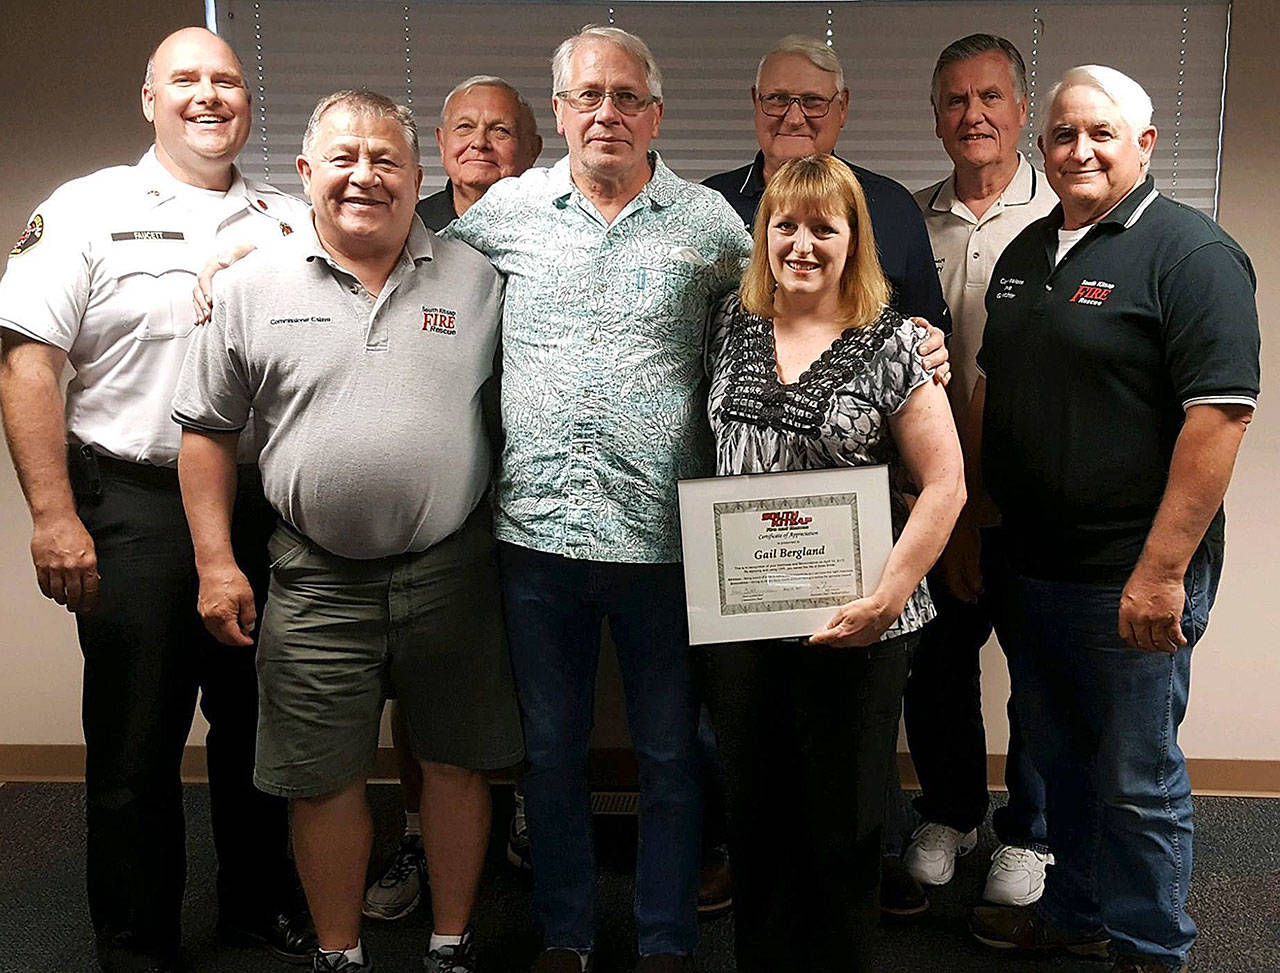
x=612 y=264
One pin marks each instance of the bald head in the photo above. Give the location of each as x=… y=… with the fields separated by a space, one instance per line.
x=179 y=35
x=194 y=95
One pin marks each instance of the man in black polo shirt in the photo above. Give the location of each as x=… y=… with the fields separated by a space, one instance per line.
x=801 y=104
x=1121 y=368
x=487 y=132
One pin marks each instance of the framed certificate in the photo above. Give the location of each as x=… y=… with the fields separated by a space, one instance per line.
x=770 y=555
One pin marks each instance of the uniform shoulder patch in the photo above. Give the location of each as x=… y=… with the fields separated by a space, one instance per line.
x=30 y=236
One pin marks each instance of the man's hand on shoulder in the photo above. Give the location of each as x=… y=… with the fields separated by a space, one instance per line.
x=933 y=352
x=1151 y=611
x=66 y=561
x=202 y=293
x=226 y=605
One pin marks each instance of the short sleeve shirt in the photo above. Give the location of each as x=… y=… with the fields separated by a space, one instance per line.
x=836 y=414
x=965 y=250
x=105 y=272
x=604 y=327
x=1090 y=364
x=369 y=404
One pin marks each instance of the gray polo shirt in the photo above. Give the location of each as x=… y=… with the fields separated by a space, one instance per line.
x=369 y=406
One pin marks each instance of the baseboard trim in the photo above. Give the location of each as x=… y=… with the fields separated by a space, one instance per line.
x=615 y=767
x=1210 y=776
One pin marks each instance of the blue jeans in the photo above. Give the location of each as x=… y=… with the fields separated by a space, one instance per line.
x=554 y=607
x=943 y=715
x=1101 y=720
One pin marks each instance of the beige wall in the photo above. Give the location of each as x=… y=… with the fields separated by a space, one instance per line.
x=62 y=126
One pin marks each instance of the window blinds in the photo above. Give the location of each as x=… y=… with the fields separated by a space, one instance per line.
x=295 y=51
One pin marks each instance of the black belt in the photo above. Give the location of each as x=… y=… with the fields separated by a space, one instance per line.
x=87 y=467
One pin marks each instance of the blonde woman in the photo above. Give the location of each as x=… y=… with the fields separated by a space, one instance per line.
x=810 y=370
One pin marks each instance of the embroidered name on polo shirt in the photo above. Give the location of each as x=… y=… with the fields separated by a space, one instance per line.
x=147 y=235
x=1008 y=287
x=1093 y=292
x=313 y=319
x=441 y=320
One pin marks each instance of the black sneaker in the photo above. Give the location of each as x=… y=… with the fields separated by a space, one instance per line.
x=398 y=891
x=901 y=896
x=1023 y=930
x=518 y=836
x=453 y=959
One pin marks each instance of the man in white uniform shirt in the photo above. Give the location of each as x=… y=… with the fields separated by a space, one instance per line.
x=100 y=280
x=979 y=98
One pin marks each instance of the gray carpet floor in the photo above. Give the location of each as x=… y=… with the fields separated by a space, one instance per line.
x=44 y=927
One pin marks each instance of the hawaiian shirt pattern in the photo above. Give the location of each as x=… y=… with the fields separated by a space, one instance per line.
x=604 y=332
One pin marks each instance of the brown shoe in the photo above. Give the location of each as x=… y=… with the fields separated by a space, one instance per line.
x=715 y=887
x=560 y=960
x=1145 y=964
x=1021 y=928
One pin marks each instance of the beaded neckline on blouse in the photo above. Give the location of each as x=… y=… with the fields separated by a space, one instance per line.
x=754 y=394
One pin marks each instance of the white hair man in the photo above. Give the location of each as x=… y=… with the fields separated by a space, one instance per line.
x=800 y=104
x=383 y=567
x=487 y=132
x=612 y=263
x=96 y=281
x=979 y=97
x=1120 y=365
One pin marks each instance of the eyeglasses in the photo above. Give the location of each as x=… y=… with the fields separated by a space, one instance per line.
x=811 y=106
x=590 y=99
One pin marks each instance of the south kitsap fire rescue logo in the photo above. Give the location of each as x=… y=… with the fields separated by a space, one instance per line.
x=441 y=320
x=30 y=236
x=1092 y=292
x=784 y=519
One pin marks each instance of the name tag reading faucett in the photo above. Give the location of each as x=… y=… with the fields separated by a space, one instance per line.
x=771 y=555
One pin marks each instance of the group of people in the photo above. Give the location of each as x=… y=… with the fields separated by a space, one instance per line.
x=287 y=510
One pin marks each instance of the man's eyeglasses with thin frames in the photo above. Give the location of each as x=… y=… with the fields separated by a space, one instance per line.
x=779 y=103
x=590 y=99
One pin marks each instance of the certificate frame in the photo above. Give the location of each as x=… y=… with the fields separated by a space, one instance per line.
x=771 y=555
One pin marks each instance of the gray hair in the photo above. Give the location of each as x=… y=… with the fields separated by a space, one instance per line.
x=819 y=53
x=523 y=107
x=1125 y=93
x=362 y=102
x=630 y=43
x=976 y=45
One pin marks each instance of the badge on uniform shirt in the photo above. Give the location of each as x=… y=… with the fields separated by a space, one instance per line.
x=30 y=236
x=285 y=229
x=262 y=206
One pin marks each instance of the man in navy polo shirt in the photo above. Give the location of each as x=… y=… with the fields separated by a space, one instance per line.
x=1121 y=368
x=801 y=104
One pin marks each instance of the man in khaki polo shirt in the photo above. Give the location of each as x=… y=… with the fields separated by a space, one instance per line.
x=361 y=344
x=979 y=97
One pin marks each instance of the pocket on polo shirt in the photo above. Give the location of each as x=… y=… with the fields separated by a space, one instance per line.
x=665 y=291
x=154 y=282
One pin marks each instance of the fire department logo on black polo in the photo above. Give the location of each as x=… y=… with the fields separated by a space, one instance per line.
x=30 y=236
x=441 y=320
x=1093 y=292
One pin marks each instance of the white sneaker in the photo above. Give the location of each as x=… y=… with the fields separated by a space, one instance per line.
x=1016 y=876
x=931 y=856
